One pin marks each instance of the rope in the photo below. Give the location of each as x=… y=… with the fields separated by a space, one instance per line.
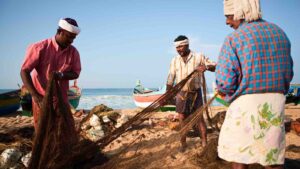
x=189 y=122
x=141 y=116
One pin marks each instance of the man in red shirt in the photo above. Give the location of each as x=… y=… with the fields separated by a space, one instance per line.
x=56 y=55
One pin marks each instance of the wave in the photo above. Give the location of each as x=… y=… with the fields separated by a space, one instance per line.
x=113 y=101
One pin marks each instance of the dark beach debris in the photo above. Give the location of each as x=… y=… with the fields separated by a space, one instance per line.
x=20 y=138
x=6 y=138
x=293 y=148
x=16 y=134
x=100 y=109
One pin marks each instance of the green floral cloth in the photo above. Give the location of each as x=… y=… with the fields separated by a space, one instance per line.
x=253 y=130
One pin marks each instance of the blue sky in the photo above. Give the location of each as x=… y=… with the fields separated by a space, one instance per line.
x=123 y=41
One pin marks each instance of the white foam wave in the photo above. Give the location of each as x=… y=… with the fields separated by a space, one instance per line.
x=113 y=101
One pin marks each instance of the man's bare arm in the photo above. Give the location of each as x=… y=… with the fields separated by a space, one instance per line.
x=26 y=78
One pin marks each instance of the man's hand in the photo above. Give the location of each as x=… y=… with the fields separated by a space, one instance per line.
x=221 y=94
x=58 y=75
x=201 y=68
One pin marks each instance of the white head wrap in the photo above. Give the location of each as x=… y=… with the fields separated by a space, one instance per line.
x=181 y=43
x=243 y=9
x=68 y=27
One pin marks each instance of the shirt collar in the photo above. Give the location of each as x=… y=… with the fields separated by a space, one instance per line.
x=191 y=54
x=246 y=23
x=56 y=46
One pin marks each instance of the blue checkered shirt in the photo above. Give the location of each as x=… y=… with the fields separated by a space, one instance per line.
x=255 y=58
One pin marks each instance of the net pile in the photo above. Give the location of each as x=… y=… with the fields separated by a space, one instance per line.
x=56 y=144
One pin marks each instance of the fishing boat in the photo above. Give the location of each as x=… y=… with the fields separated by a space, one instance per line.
x=9 y=102
x=143 y=97
x=293 y=95
x=74 y=94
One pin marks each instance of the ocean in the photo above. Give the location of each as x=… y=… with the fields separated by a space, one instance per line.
x=116 y=98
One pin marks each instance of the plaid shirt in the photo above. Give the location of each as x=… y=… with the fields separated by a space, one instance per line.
x=256 y=58
x=179 y=70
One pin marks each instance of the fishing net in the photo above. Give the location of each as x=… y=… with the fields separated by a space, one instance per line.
x=141 y=116
x=57 y=138
x=56 y=144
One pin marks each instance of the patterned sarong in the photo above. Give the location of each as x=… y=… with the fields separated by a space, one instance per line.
x=253 y=130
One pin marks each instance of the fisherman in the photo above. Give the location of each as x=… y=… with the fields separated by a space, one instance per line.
x=56 y=55
x=190 y=97
x=253 y=72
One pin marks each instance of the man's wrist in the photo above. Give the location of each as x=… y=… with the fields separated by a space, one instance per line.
x=60 y=75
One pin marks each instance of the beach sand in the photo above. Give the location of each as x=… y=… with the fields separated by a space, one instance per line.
x=155 y=143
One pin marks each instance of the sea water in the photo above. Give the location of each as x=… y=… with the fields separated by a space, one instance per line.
x=116 y=98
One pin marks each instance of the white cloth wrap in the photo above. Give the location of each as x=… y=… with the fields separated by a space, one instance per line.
x=253 y=130
x=181 y=43
x=68 y=27
x=243 y=9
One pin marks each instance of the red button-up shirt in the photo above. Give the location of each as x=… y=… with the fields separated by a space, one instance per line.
x=46 y=56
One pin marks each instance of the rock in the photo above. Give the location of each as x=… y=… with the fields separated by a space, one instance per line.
x=123 y=119
x=94 y=121
x=95 y=134
x=9 y=158
x=105 y=119
x=25 y=159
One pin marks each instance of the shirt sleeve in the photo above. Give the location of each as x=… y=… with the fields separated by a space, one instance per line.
x=172 y=73
x=227 y=69
x=31 y=58
x=76 y=65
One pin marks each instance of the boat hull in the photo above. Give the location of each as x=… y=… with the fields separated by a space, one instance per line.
x=9 y=102
x=74 y=101
x=74 y=95
x=145 y=100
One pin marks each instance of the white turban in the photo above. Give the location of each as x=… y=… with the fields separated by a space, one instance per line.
x=181 y=43
x=68 y=27
x=243 y=9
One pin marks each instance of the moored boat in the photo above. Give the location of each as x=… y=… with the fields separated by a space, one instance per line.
x=293 y=95
x=143 y=97
x=9 y=102
x=74 y=94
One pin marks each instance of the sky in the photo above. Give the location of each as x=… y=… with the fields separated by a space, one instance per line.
x=125 y=41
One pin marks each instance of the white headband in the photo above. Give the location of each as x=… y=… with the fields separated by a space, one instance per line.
x=68 y=27
x=181 y=43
